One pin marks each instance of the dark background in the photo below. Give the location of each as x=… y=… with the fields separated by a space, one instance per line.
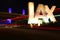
x=18 y=5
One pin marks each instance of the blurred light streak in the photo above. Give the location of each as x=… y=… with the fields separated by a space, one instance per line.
x=42 y=28
x=57 y=15
x=22 y=17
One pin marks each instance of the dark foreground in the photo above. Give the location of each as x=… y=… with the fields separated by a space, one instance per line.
x=28 y=34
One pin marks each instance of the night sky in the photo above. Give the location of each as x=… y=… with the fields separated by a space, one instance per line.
x=18 y=5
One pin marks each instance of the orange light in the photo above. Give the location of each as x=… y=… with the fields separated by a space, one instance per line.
x=37 y=17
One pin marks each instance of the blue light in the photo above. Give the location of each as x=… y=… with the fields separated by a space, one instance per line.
x=10 y=10
x=23 y=12
x=8 y=21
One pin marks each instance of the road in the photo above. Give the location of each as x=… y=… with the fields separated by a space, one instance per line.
x=28 y=34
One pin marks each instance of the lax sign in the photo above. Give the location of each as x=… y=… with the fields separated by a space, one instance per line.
x=42 y=13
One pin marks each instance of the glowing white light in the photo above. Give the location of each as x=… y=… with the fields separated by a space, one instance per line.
x=31 y=11
x=46 y=19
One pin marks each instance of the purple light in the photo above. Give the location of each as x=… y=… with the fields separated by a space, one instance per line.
x=10 y=10
x=9 y=20
x=23 y=12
